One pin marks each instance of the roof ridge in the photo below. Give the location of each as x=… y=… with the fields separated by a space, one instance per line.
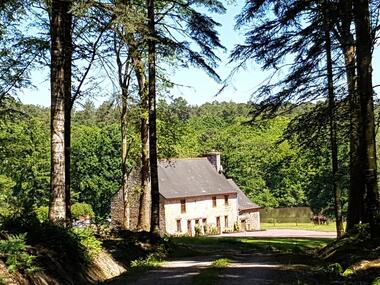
x=183 y=158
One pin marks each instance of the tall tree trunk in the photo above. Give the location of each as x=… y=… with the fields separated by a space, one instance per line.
x=154 y=226
x=124 y=79
x=333 y=127
x=60 y=61
x=68 y=109
x=145 y=198
x=367 y=145
x=124 y=154
x=356 y=207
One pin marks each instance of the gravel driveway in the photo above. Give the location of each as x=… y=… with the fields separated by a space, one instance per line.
x=245 y=268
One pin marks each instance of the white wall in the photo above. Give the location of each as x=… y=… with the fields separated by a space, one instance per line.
x=198 y=208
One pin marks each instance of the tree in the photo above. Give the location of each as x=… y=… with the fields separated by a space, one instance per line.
x=61 y=52
x=367 y=143
x=153 y=159
x=333 y=124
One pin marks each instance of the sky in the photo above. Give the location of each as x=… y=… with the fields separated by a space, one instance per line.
x=193 y=84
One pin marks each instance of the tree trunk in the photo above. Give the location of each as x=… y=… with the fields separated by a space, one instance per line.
x=355 y=212
x=367 y=145
x=333 y=127
x=68 y=109
x=124 y=154
x=60 y=61
x=154 y=226
x=145 y=198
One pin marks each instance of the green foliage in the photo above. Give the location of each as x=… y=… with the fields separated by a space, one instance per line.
x=81 y=209
x=198 y=230
x=236 y=227
x=42 y=213
x=335 y=268
x=7 y=201
x=15 y=251
x=88 y=240
x=211 y=230
x=25 y=155
x=96 y=171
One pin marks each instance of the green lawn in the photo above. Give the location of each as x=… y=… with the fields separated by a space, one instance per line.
x=300 y=226
x=218 y=244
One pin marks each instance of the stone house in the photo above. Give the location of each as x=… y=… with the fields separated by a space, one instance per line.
x=194 y=195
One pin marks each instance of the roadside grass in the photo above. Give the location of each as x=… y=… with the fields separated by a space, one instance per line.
x=300 y=226
x=210 y=275
x=140 y=266
x=217 y=244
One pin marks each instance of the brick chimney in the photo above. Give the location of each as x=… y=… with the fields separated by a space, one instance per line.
x=214 y=158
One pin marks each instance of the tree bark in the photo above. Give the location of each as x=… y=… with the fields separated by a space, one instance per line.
x=124 y=154
x=356 y=207
x=333 y=127
x=60 y=61
x=154 y=226
x=145 y=198
x=367 y=145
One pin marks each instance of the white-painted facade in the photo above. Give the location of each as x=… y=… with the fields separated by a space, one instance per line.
x=182 y=215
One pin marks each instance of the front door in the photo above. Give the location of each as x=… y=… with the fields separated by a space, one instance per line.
x=218 y=224
x=243 y=226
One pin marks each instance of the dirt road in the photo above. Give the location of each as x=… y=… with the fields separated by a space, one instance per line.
x=246 y=267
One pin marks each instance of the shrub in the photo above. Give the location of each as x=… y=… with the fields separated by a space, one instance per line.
x=236 y=227
x=212 y=230
x=14 y=250
x=88 y=240
x=198 y=230
x=82 y=209
x=42 y=213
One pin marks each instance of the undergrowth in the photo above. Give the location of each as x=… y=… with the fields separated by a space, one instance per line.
x=17 y=257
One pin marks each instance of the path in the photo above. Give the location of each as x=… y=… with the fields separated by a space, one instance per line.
x=246 y=267
x=180 y=271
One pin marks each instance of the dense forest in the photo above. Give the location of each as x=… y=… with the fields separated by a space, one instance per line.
x=273 y=171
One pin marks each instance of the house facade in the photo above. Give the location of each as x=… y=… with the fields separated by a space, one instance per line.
x=195 y=197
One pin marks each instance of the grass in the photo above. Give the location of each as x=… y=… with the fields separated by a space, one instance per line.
x=217 y=244
x=210 y=275
x=299 y=226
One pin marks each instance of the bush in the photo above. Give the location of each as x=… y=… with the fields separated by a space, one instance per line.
x=236 y=227
x=42 y=213
x=198 y=230
x=212 y=230
x=88 y=240
x=14 y=250
x=82 y=209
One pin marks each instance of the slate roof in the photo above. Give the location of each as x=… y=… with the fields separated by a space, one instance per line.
x=180 y=178
x=243 y=201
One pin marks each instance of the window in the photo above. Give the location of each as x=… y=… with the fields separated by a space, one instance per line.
x=226 y=221
x=179 y=229
x=214 y=201
x=226 y=200
x=183 y=206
